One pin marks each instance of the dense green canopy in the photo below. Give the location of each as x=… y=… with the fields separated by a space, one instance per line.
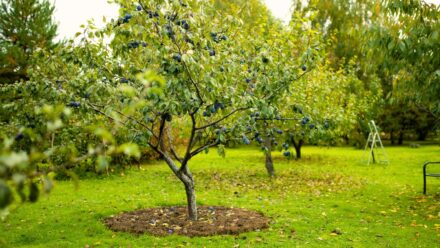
x=25 y=26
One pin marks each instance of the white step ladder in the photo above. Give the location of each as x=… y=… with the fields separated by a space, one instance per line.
x=375 y=154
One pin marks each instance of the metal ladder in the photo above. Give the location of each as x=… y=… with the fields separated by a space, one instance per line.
x=371 y=146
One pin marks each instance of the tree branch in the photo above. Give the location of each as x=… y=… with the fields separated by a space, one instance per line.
x=294 y=79
x=130 y=118
x=221 y=119
x=202 y=148
x=191 y=139
x=12 y=76
x=102 y=113
x=280 y=119
x=161 y=127
x=167 y=159
x=188 y=72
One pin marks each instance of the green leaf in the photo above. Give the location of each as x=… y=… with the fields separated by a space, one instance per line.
x=34 y=192
x=127 y=90
x=54 y=125
x=221 y=150
x=48 y=185
x=14 y=159
x=149 y=76
x=5 y=195
x=402 y=46
x=104 y=134
x=130 y=149
x=391 y=45
x=101 y=163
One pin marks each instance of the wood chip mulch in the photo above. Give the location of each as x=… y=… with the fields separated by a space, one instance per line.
x=173 y=220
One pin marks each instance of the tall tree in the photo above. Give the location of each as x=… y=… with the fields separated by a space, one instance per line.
x=25 y=25
x=390 y=40
x=410 y=38
x=343 y=23
x=345 y=28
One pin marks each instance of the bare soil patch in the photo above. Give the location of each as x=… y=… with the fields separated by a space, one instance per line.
x=173 y=220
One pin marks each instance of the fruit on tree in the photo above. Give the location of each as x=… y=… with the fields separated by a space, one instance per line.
x=74 y=104
x=246 y=140
x=177 y=57
x=126 y=18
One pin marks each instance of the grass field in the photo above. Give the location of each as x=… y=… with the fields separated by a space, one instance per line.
x=328 y=199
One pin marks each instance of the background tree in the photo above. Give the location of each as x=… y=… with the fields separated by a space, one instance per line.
x=328 y=108
x=286 y=62
x=346 y=28
x=410 y=38
x=343 y=24
x=363 y=30
x=25 y=26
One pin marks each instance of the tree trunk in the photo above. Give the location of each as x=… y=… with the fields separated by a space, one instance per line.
x=400 y=141
x=298 y=149
x=191 y=199
x=187 y=179
x=10 y=77
x=392 y=137
x=422 y=134
x=297 y=146
x=269 y=163
x=373 y=157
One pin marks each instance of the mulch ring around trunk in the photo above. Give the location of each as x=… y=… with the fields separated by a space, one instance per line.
x=173 y=220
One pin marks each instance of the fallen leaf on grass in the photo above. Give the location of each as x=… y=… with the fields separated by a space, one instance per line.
x=293 y=232
x=336 y=232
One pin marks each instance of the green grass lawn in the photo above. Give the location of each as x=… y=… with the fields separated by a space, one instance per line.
x=328 y=199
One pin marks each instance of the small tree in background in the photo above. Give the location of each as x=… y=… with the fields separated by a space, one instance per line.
x=286 y=60
x=321 y=107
